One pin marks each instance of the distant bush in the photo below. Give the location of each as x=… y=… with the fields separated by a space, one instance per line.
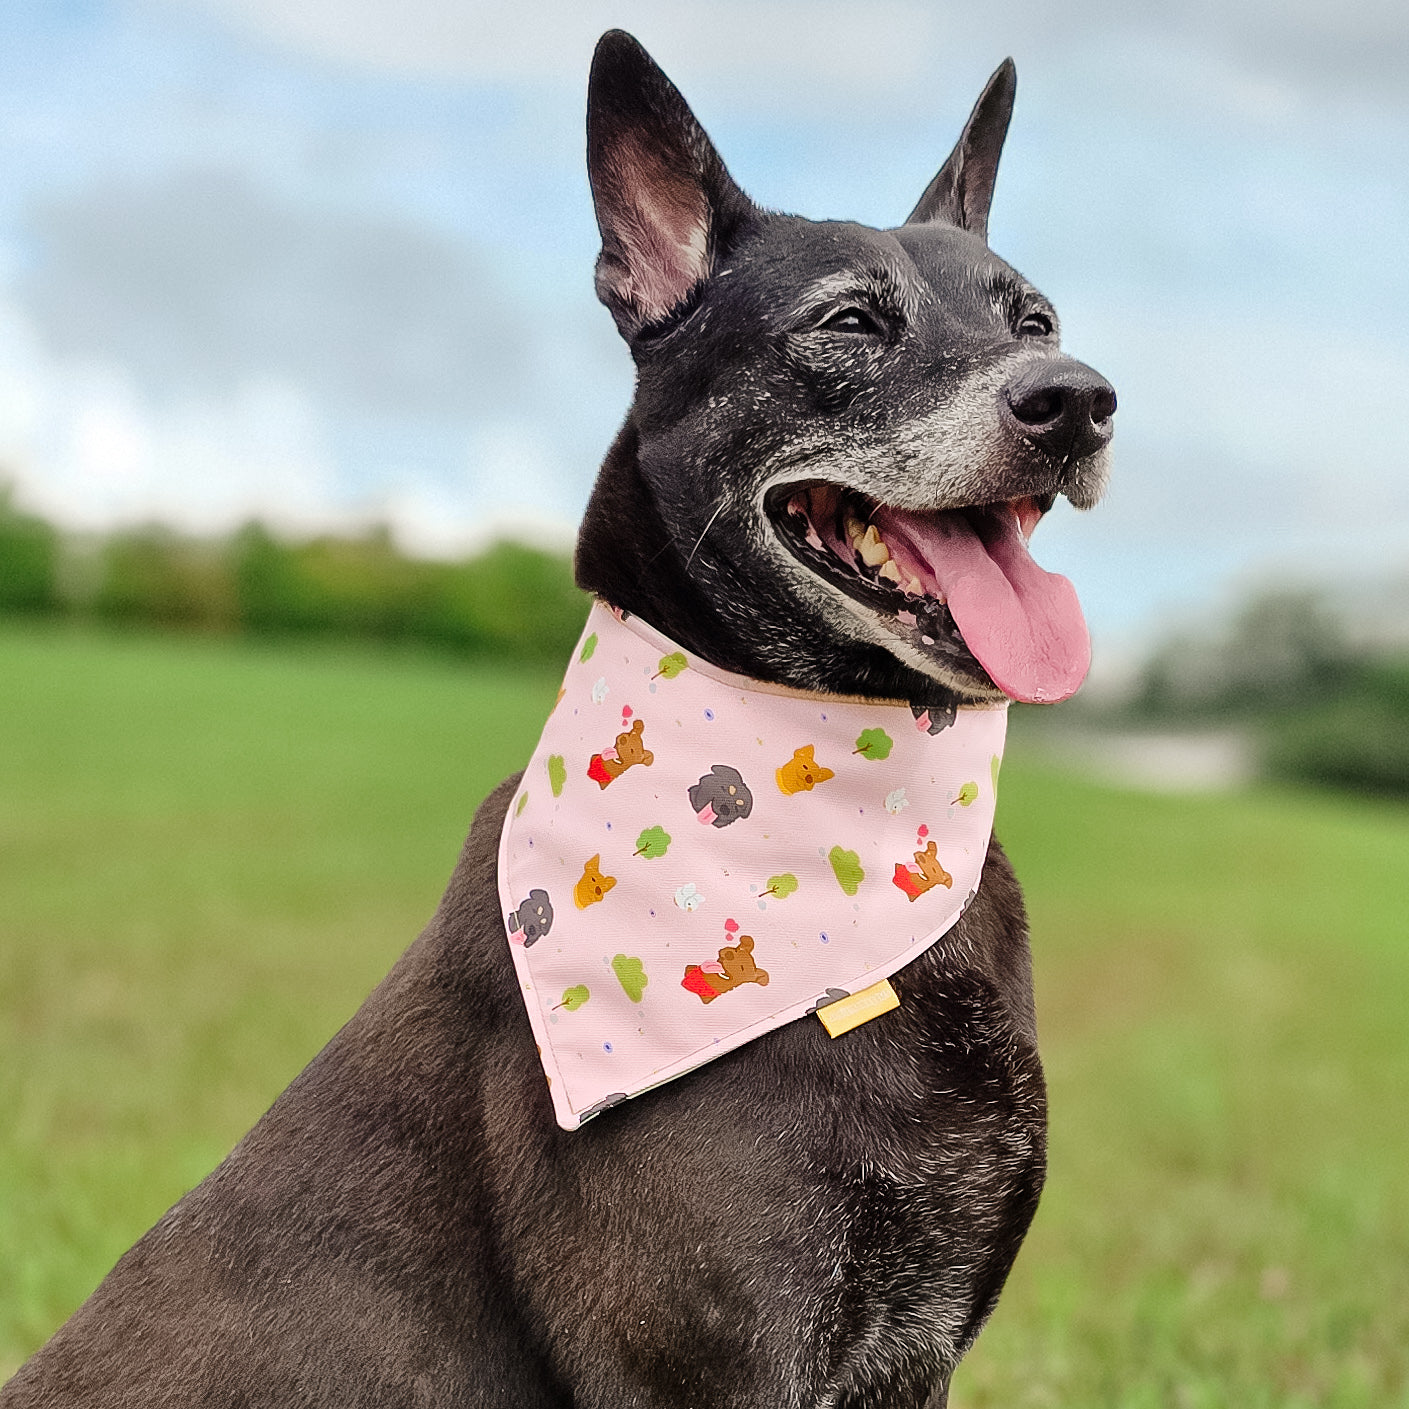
x=1360 y=741
x=1326 y=710
x=339 y=586
x=29 y=556
x=1283 y=649
x=156 y=577
x=510 y=601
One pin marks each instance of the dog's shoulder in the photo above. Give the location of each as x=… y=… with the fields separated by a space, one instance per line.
x=465 y=935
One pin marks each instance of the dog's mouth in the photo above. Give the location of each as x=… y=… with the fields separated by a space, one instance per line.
x=956 y=585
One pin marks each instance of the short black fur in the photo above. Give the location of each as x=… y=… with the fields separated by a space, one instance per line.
x=804 y=1221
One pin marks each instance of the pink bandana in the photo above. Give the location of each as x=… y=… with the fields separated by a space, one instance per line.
x=696 y=858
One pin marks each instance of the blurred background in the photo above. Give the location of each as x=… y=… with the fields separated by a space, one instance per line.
x=302 y=390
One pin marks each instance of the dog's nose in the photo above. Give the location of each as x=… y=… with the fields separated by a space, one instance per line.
x=1064 y=407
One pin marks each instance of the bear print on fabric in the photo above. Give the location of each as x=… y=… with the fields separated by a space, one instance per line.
x=593 y=886
x=630 y=750
x=801 y=773
x=533 y=919
x=915 y=882
x=721 y=796
x=735 y=966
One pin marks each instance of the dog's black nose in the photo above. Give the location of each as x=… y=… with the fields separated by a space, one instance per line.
x=1062 y=406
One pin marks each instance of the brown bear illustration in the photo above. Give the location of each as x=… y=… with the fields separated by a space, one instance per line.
x=930 y=874
x=612 y=763
x=735 y=966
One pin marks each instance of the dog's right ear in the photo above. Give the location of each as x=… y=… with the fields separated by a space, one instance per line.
x=666 y=206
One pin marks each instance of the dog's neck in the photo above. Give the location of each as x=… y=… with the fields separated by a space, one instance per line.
x=645 y=573
x=642 y=571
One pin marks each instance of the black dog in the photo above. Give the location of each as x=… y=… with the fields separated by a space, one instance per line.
x=801 y=1222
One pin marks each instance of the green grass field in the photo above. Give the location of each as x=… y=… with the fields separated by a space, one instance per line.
x=210 y=851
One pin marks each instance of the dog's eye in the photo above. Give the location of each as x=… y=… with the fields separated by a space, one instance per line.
x=1035 y=325
x=854 y=320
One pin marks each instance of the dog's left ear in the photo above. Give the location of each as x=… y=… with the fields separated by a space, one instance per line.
x=963 y=191
x=666 y=205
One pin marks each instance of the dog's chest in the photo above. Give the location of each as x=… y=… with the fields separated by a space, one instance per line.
x=909 y=1201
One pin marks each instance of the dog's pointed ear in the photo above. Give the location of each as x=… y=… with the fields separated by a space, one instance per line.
x=963 y=191
x=666 y=205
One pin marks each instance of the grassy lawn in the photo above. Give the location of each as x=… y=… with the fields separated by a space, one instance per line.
x=210 y=851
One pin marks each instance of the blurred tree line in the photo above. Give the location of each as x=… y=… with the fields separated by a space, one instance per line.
x=509 y=602
x=1330 y=703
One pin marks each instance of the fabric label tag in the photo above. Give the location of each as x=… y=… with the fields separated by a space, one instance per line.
x=847 y=1013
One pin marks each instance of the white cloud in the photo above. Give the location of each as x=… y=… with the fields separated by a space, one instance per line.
x=84 y=445
x=826 y=50
x=795 y=43
x=108 y=445
x=512 y=484
x=206 y=278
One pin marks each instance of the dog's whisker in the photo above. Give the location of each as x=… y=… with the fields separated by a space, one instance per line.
x=671 y=541
x=718 y=510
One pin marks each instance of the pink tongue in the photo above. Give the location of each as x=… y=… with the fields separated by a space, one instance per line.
x=1024 y=625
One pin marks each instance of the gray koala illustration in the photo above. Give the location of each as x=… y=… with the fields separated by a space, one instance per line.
x=931 y=719
x=534 y=917
x=721 y=796
x=605 y=1104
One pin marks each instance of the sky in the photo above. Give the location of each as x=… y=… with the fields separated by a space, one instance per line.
x=330 y=261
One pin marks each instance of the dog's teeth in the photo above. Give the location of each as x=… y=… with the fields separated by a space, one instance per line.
x=855 y=530
x=873 y=551
x=915 y=587
x=889 y=571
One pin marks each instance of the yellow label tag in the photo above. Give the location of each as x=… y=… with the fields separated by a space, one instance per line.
x=847 y=1013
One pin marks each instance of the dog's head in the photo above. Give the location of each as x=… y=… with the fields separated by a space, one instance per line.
x=842 y=437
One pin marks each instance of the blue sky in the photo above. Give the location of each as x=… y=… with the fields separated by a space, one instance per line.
x=325 y=262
